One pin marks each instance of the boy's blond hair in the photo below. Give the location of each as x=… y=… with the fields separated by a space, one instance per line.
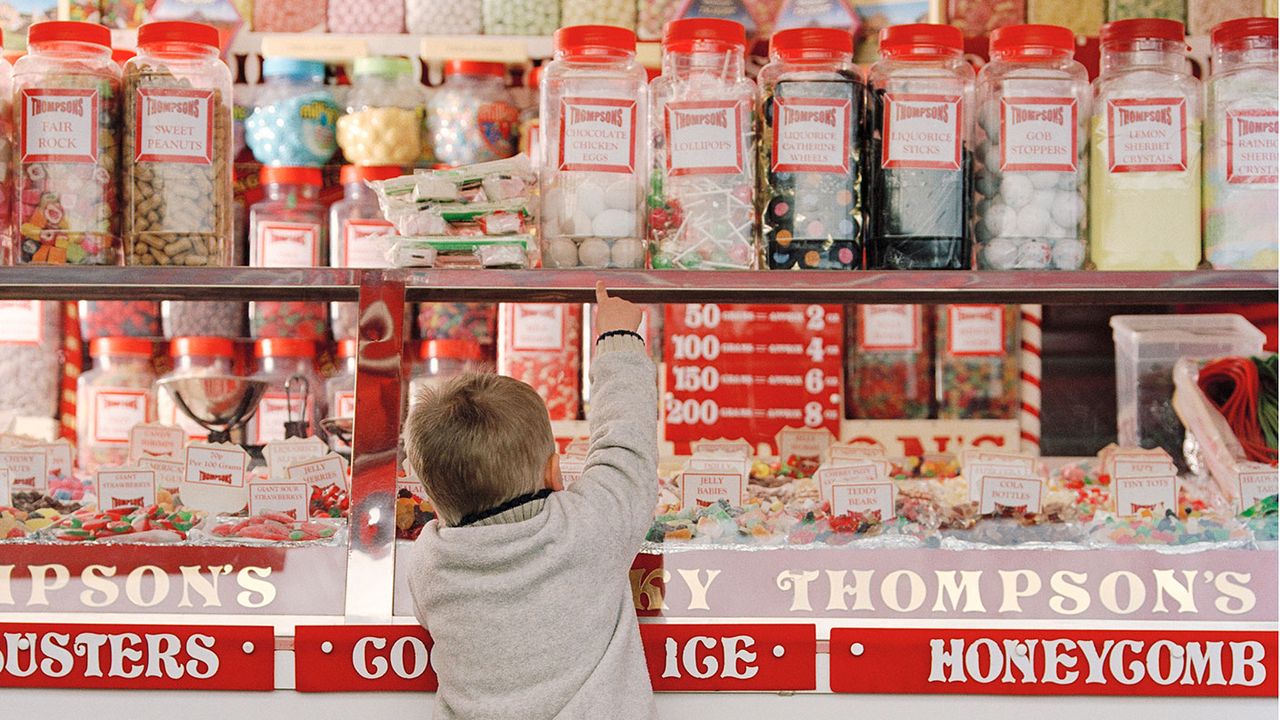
x=477 y=441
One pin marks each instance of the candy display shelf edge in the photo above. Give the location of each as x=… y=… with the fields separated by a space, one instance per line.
x=47 y=282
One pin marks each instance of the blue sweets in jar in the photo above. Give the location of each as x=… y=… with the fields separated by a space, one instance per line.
x=294 y=117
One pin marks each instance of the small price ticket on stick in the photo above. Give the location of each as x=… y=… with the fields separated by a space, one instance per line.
x=803 y=443
x=322 y=472
x=61 y=457
x=168 y=472
x=286 y=498
x=1143 y=483
x=721 y=448
x=125 y=487
x=699 y=489
x=215 y=478
x=864 y=498
x=1254 y=481
x=155 y=440
x=283 y=454
x=719 y=463
x=28 y=469
x=977 y=466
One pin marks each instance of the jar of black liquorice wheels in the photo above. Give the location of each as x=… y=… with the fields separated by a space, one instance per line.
x=811 y=104
x=918 y=145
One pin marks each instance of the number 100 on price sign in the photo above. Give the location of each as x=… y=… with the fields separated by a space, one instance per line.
x=750 y=370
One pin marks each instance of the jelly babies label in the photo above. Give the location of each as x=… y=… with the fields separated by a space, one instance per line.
x=1254 y=481
x=1038 y=133
x=1253 y=146
x=888 y=328
x=59 y=125
x=1144 y=495
x=704 y=489
x=803 y=443
x=28 y=469
x=283 y=454
x=975 y=330
x=321 y=473
x=61 y=457
x=273 y=413
x=537 y=327
x=168 y=472
x=292 y=499
x=155 y=440
x=216 y=466
x=364 y=243
x=125 y=486
x=114 y=412
x=704 y=137
x=811 y=135
x=286 y=244
x=1010 y=495
x=921 y=131
x=597 y=134
x=21 y=322
x=175 y=126
x=864 y=498
x=1146 y=135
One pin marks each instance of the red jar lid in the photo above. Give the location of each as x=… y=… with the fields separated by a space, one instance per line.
x=450 y=349
x=291 y=176
x=683 y=35
x=122 y=55
x=176 y=31
x=532 y=77
x=580 y=39
x=1232 y=32
x=1016 y=39
x=1142 y=29
x=284 y=347
x=796 y=42
x=920 y=39
x=475 y=67
x=68 y=31
x=130 y=346
x=359 y=173
x=348 y=348
x=202 y=347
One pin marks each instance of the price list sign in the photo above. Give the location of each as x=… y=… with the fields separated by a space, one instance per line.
x=749 y=371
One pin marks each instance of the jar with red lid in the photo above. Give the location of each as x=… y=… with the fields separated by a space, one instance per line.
x=919 y=150
x=7 y=231
x=1033 y=105
x=194 y=357
x=472 y=117
x=593 y=163
x=288 y=367
x=358 y=235
x=383 y=124
x=67 y=161
x=288 y=228
x=439 y=360
x=112 y=397
x=340 y=390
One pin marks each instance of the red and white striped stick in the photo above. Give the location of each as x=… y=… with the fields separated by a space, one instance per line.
x=1029 y=385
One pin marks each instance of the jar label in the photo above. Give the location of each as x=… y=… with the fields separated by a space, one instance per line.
x=921 y=131
x=704 y=137
x=893 y=328
x=498 y=123
x=537 y=327
x=21 y=322
x=1253 y=146
x=273 y=413
x=975 y=330
x=285 y=244
x=1147 y=135
x=1038 y=133
x=597 y=135
x=59 y=125
x=175 y=126
x=115 y=412
x=361 y=246
x=344 y=404
x=811 y=135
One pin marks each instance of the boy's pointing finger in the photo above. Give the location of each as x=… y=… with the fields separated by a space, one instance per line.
x=601 y=293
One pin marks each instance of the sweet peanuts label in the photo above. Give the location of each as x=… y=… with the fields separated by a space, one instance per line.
x=115 y=412
x=175 y=126
x=21 y=322
x=1253 y=146
x=362 y=246
x=704 y=137
x=884 y=328
x=59 y=125
x=921 y=131
x=283 y=244
x=1038 y=133
x=537 y=327
x=811 y=135
x=975 y=329
x=1147 y=135
x=597 y=134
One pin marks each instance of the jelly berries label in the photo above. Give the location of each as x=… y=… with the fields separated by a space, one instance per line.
x=115 y=412
x=282 y=244
x=1253 y=146
x=1147 y=135
x=888 y=328
x=921 y=131
x=363 y=244
x=704 y=137
x=597 y=134
x=59 y=125
x=538 y=327
x=975 y=330
x=175 y=126
x=811 y=135
x=1038 y=133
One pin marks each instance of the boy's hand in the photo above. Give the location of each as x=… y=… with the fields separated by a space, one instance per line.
x=614 y=313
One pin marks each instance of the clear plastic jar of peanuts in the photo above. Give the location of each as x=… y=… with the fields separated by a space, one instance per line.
x=177 y=148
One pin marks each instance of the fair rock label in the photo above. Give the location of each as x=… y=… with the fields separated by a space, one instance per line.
x=704 y=137
x=285 y=244
x=888 y=328
x=1253 y=146
x=1147 y=135
x=59 y=125
x=921 y=131
x=1038 y=134
x=597 y=135
x=175 y=126
x=812 y=135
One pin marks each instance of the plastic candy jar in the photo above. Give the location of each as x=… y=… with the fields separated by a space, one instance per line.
x=977 y=361
x=280 y=359
x=294 y=115
x=593 y=162
x=541 y=344
x=111 y=398
x=67 y=104
x=357 y=233
x=288 y=229
x=702 y=188
x=459 y=321
x=1241 y=154
x=472 y=117
x=30 y=364
x=919 y=150
x=439 y=360
x=810 y=151
x=520 y=17
x=443 y=17
x=1144 y=179
x=383 y=124
x=177 y=148
x=193 y=357
x=366 y=16
x=340 y=390
x=1033 y=114
x=889 y=362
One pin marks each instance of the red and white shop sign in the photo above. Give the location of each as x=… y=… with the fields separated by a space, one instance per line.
x=286 y=244
x=21 y=322
x=888 y=328
x=361 y=658
x=361 y=246
x=597 y=135
x=922 y=131
x=812 y=135
x=114 y=413
x=1147 y=135
x=705 y=658
x=175 y=126
x=1038 y=133
x=537 y=326
x=704 y=137
x=975 y=329
x=59 y=125
x=137 y=657
x=1253 y=146
x=1054 y=662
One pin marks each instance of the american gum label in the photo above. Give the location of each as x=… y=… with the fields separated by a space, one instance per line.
x=888 y=328
x=115 y=412
x=597 y=134
x=174 y=126
x=21 y=322
x=1146 y=135
x=537 y=327
x=1038 y=133
x=59 y=125
x=811 y=135
x=704 y=137
x=284 y=244
x=975 y=329
x=361 y=246
x=1253 y=146
x=921 y=131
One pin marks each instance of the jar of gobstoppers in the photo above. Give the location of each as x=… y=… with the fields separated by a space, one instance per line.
x=294 y=117
x=1144 y=179
x=340 y=389
x=541 y=344
x=288 y=367
x=1033 y=114
x=358 y=235
x=194 y=357
x=115 y=395
x=289 y=229
x=702 y=189
x=383 y=124
x=177 y=148
x=919 y=150
x=1240 y=171
x=472 y=117
x=439 y=360
x=593 y=150
x=810 y=150
x=67 y=104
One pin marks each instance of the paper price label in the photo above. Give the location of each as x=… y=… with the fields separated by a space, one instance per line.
x=578 y=447
x=864 y=498
x=510 y=51
x=365 y=243
x=812 y=134
x=597 y=135
x=1017 y=495
x=288 y=498
x=976 y=473
x=1133 y=467
x=155 y=440
x=216 y=465
x=322 y=473
x=1138 y=495
x=975 y=330
x=21 y=322
x=704 y=463
x=1254 y=481
x=803 y=442
x=922 y=131
x=722 y=448
x=61 y=457
x=28 y=469
x=168 y=472
x=699 y=489
x=853 y=472
x=286 y=244
x=114 y=412
x=856 y=452
x=538 y=326
x=125 y=487
x=1146 y=135
x=1253 y=146
x=174 y=126
x=312 y=46
x=281 y=454
x=59 y=125
x=889 y=328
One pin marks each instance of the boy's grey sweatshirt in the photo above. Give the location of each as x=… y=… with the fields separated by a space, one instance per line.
x=531 y=610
